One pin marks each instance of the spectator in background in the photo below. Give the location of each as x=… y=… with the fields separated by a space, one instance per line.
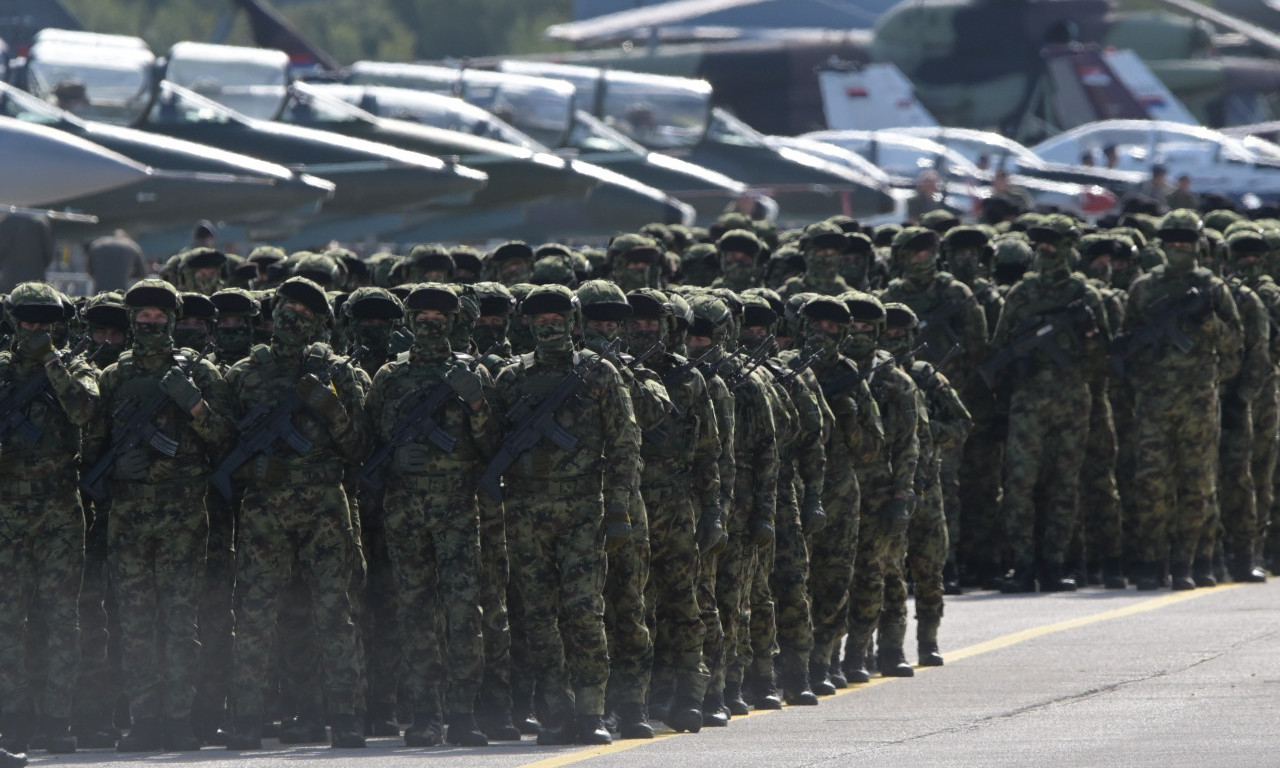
x=1182 y=196
x=1156 y=187
x=26 y=249
x=928 y=196
x=116 y=262
x=1109 y=153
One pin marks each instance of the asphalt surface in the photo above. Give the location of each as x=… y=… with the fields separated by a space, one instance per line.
x=1093 y=678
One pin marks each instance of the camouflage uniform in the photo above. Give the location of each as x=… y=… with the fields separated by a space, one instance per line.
x=431 y=520
x=295 y=512
x=1176 y=408
x=823 y=244
x=42 y=525
x=158 y=529
x=557 y=504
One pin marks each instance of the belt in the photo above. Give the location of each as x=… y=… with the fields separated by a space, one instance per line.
x=449 y=482
x=181 y=488
x=563 y=486
x=41 y=486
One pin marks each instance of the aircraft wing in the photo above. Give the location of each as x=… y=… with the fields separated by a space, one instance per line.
x=1226 y=21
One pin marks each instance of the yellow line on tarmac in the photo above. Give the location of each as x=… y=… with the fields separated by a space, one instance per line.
x=995 y=644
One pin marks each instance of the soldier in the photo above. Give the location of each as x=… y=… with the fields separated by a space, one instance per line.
x=563 y=508
x=43 y=528
x=295 y=513
x=1047 y=387
x=158 y=528
x=237 y=310
x=511 y=263
x=943 y=425
x=823 y=243
x=887 y=484
x=635 y=262
x=199 y=271
x=1176 y=399
x=739 y=251
x=199 y=318
x=432 y=524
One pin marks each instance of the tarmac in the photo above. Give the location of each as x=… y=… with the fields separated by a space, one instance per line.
x=1091 y=678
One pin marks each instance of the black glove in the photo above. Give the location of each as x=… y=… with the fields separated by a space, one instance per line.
x=180 y=389
x=466 y=383
x=710 y=534
x=812 y=517
x=401 y=341
x=132 y=465
x=616 y=533
x=38 y=346
x=321 y=399
x=411 y=459
x=761 y=534
x=1233 y=411
x=895 y=515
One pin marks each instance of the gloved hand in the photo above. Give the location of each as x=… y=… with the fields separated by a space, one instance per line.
x=895 y=515
x=1200 y=311
x=38 y=346
x=320 y=398
x=180 y=389
x=761 y=534
x=465 y=383
x=616 y=533
x=267 y=470
x=401 y=341
x=710 y=534
x=1233 y=411
x=132 y=465
x=812 y=517
x=411 y=459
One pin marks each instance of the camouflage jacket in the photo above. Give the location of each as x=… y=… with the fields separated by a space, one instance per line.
x=856 y=433
x=1216 y=340
x=722 y=403
x=755 y=443
x=896 y=395
x=806 y=458
x=70 y=403
x=1033 y=301
x=1256 y=368
x=966 y=325
x=949 y=420
x=687 y=444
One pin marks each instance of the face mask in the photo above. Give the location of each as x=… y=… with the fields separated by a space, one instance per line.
x=897 y=345
x=425 y=331
x=520 y=274
x=191 y=338
x=292 y=329
x=374 y=337
x=821 y=263
x=965 y=265
x=1182 y=258
x=152 y=338
x=639 y=342
x=860 y=344
x=922 y=273
x=821 y=341
x=108 y=355
x=631 y=279
x=22 y=335
x=1251 y=273
x=739 y=274
x=751 y=339
x=485 y=336
x=854 y=268
x=1101 y=271
x=1121 y=278
x=206 y=284
x=234 y=342
x=553 y=336
x=1053 y=264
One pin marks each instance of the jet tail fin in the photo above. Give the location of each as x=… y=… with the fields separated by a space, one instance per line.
x=1088 y=84
x=20 y=20
x=870 y=97
x=271 y=30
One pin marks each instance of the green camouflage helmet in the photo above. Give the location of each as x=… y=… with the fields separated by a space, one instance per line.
x=757 y=311
x=552 y=298
x=603 y=300
x=34 y=303
x=317 y=268
x=711 y=318
x=1221 y=219
x=864 y=308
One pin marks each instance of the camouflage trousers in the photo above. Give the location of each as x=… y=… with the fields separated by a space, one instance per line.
x=556 y=544
x=379 y=612
x=216 y=621
x=733 y=596
x=1233 y=521
x=156 y=542
x=495 y=689
x=1120 y=393
x=1266 y=433
x=1177 y=462
x=433 y=541
x=671 y=593
x=831 y=557
x=926 y=556
x=1100 y=533
x=713 y=640
x=625 y=615
x=758 y=637
x=41 y=560
x=299 y=530
x=787 y=582
x=1048 y=431
x=879 y=553
x=979 y=533
x=98 y=686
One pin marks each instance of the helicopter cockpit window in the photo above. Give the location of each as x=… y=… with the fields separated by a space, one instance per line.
x=251 y=81
x=309 y=105
x=591 y=135
x=23 y=106
x=175 y=105
x=586 y=80
x=541 y=108
x=418 y=77
x=659 y=112
x=107 y=83
x=727 y=129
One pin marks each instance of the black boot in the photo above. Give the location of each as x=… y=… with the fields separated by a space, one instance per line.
x=496 y=724
x=347 y=732
x=855 y=662
x=733 y=698
x=1147 y=576
x=795 y=684
x=927 y=653
x=146 y=735
x=893 y=663
x=380 y=721
x=179 y=735
x=10 y=760
x=57 y=736
x=766 y=691
x=818 y=679
x=463 y=731
x=835 y=674
x=951 y=580
x=557 y=731
x=522 y=714
x=990 y=575
x=1021 y=580
x=1113 y=574
x=246 y=733
x=1202 y=572
x=1055 y=580
x=302 y=730
x=427 y=730
x=591 y=731
x=16 y=727
x=1245 y=572
x=1180 y=577
x=685 y=714
x=632 y=723
x=714 y=712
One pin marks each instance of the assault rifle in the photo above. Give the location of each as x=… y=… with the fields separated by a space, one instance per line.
x=793 y=372
x=752 y=362
x=851 y=379
x=941 y=316
x=267 y=424
x=14 y=399
x=636 y=362
x=1031 y=335
x=535 y=420
x=1161 y=327
x=420 y=408
x=138 y=417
